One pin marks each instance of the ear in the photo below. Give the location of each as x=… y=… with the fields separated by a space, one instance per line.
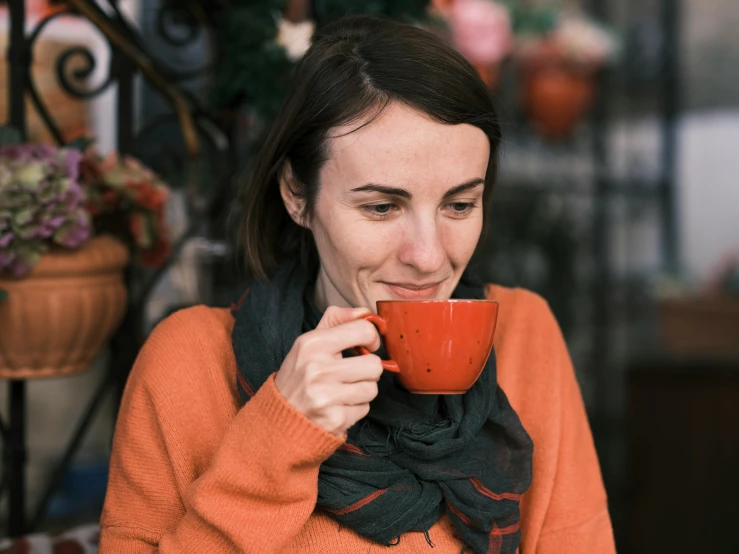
x=288 y=187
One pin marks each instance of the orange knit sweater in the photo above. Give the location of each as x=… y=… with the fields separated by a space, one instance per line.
x=194 y=472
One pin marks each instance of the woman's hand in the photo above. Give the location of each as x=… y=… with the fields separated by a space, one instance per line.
x=332 y=391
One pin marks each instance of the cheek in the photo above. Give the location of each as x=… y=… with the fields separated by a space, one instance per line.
x=349 y=245
x=460 y=239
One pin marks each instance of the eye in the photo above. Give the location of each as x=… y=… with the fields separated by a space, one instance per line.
x=461 y=208
x=379 y=211
x=382 y=208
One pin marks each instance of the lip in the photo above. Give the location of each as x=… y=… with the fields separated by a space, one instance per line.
x=409 y=291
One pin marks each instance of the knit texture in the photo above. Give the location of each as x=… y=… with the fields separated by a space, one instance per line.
x=194 y=472
x=414 y=457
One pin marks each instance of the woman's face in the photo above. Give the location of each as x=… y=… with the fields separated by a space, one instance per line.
x=399 y=209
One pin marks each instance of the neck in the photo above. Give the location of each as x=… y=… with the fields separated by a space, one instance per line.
x=326 y=294
x=319 y=292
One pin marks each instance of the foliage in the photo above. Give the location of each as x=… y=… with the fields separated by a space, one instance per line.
x=53 y=197
x=41 y=204
x=128 y=200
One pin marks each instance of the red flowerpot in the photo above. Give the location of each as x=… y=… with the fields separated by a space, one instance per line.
x=490 y=75
x=556 y=98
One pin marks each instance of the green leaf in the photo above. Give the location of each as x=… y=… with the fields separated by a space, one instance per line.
x=3 y=295
x=81 y=143
x=9 y=135
x=23 y=216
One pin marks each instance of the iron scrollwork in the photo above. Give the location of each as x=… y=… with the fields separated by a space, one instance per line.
x=170 y=18
x=179 y=28
x=70 y=79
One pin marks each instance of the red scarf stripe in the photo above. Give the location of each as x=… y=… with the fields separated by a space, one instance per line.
x=495 y=543
x=482 y=489
x=346 y=447
x=459 y=514
x=236 y=306
x=359 y=504
x=244 y=384
x=505 y=530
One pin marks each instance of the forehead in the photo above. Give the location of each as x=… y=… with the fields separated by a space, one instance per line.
x=402 y=146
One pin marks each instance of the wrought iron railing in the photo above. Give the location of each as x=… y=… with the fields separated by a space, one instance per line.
x=202 y=141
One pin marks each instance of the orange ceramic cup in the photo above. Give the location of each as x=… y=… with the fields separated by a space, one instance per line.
x=436 y=346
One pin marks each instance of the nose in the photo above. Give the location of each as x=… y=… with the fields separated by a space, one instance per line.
x=422 y=247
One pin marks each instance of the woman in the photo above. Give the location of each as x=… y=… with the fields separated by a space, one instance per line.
x=256 y=430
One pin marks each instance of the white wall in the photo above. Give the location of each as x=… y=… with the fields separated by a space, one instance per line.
x=707 y=192
x=708 y=185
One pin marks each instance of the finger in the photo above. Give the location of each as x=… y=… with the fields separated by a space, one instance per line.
x=359 y=368
x=359 y=332
x=355 y=413
x=338 y=419
x=355 y=394
x=335 y=316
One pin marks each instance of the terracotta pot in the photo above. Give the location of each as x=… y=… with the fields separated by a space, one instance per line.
x=297 y=10
x=58 y=319
x=556 y=98
x=442 y=6
x=490 y=75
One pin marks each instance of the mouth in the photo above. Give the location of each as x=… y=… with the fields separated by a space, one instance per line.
x=413 y=291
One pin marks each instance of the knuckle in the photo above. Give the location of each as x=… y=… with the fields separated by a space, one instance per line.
x=370 y=390
x=367 y=332
x=317 y=398
x=307 y=341
x=372 y=366
x=337 y=420
x=369 y=328
x=313 y=371
x=376 y=364
x=300 y=343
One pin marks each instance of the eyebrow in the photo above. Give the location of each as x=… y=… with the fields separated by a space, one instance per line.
x=392 y=191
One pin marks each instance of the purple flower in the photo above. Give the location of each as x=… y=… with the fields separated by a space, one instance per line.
x=74 y=196
x=6 y=257
x=47 y=227
x=71 y=163
x=74 y=233
x=41 y=204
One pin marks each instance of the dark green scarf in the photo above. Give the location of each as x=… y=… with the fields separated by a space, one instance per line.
x=414 y=457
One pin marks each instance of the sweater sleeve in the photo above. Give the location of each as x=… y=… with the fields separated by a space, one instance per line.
x=253 y=492
x=577 y=519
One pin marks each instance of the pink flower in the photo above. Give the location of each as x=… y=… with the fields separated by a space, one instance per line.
x=481 y=30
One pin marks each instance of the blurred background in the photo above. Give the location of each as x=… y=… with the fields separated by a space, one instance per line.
x=618 y=202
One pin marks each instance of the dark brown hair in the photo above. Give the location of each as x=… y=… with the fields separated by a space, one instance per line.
x=353 y=69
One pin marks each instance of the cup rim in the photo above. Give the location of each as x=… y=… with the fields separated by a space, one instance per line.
x=455 y=300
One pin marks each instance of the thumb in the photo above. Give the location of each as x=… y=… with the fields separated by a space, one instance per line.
x=335 y=316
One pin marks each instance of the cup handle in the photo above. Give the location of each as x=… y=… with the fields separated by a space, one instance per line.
x=381 y=324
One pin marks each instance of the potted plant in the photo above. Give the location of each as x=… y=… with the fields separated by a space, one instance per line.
x=481 y=30
x=61 y=269
x=559 y=56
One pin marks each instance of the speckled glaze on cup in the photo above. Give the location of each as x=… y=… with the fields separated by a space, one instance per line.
x=436 y=346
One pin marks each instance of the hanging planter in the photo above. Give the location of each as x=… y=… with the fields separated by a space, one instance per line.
x=62 y=290
x=57 y=319
x=556 y=98
x=480 y=30
x=489 y=73
x=559 y=57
